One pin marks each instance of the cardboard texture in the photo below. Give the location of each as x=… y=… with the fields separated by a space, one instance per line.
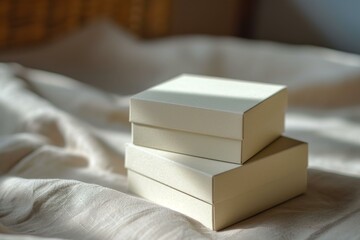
x=215 y=181
x=246 y=116
x=223 y=214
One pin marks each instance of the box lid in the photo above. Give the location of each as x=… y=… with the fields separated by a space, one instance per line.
x=215 y=181
x=202 y=104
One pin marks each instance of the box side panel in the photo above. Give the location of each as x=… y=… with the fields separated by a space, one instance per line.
x=182 y=178
x=170 y=198
x=263 y=124
x=260 y=171
x=205 y=146
x=243 y=206
x=184 y=118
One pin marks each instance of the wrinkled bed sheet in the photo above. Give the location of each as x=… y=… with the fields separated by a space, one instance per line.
x=62 y=140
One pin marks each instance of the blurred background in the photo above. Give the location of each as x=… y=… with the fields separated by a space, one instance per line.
x=327 y=23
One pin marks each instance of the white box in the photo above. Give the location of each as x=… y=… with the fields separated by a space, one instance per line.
x=207 y=116
x=223 y=214
x=217 y=193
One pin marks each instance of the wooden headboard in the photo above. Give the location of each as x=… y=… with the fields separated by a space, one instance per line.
x=31 y=22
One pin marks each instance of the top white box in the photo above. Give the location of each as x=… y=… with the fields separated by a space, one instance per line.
x=247 y=112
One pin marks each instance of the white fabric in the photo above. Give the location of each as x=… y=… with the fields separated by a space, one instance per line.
x=108 y=58
x=62 y=141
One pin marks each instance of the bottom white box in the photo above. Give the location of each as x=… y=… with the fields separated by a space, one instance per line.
x=223 y=214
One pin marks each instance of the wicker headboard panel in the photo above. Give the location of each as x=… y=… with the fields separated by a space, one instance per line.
x=30 y=22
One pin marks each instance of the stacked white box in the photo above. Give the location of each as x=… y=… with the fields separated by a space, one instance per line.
x=211 y=118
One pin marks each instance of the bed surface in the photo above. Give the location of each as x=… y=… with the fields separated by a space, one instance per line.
x=62 y=140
